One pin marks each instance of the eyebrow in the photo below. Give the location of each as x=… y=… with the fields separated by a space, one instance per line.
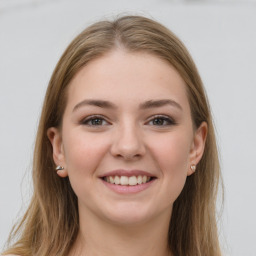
x=97 y=103
x=145 y=105
x=160 y=103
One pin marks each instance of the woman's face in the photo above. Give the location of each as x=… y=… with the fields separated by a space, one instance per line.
x=127 y=140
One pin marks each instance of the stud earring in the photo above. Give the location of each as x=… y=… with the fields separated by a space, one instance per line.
x=61 y=171
x=59 y=168
x=193 y=167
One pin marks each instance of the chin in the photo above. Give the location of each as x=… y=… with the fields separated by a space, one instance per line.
x=128 y=214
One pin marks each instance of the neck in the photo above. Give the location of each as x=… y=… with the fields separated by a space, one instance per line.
x=101 y=238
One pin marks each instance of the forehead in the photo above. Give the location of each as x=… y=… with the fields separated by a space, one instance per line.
x=123 y=76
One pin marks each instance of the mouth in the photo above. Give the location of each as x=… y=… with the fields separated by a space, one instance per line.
x=128 y=180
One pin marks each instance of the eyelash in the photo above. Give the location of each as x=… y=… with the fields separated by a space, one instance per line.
x=166 y=121
x=91 y=118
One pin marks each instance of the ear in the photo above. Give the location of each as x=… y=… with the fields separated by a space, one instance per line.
x=197 y=147
x=55 y=138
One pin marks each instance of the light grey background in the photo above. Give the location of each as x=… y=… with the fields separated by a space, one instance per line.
x=221 y=36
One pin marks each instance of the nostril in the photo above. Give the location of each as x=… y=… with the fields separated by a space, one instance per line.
x=127 y=156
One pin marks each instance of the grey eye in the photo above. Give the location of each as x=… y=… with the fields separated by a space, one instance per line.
x=161 y=121
x=94 y=121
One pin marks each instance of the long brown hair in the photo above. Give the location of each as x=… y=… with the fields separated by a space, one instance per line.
x=50 y=225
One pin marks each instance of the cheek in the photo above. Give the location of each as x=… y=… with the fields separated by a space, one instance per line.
x=172 y=152
x=172 y=156
x=83 y=153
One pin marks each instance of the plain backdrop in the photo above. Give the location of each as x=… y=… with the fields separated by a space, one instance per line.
x=221 y=36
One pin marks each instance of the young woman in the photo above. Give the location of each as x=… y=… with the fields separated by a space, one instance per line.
x=125 y=160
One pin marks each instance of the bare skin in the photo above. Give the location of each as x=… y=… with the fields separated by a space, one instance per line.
x=128 y=112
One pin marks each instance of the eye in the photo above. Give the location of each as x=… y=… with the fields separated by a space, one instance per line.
x=94 y=121
x=161 y=121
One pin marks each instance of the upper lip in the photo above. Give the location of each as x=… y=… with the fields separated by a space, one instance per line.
x=128 y=173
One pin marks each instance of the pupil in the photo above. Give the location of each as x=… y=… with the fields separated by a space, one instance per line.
x=96 y=121
x=158 y=121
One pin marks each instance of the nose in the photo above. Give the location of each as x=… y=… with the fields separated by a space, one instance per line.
x=128 y=142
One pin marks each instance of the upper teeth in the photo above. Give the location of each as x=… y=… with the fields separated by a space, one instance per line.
x=124 y=180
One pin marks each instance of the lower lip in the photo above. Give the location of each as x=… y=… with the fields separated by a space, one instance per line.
x=126 y=189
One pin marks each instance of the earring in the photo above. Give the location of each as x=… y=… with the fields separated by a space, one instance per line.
x=193 y=167
x=61 y=171
x=59 y=168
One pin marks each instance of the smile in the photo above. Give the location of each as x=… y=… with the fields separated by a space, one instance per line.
x=124 y=181
x=127 y=181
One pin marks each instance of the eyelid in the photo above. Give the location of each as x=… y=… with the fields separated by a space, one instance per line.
x=167 y=118
x=85 y=120
x=170 y=121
